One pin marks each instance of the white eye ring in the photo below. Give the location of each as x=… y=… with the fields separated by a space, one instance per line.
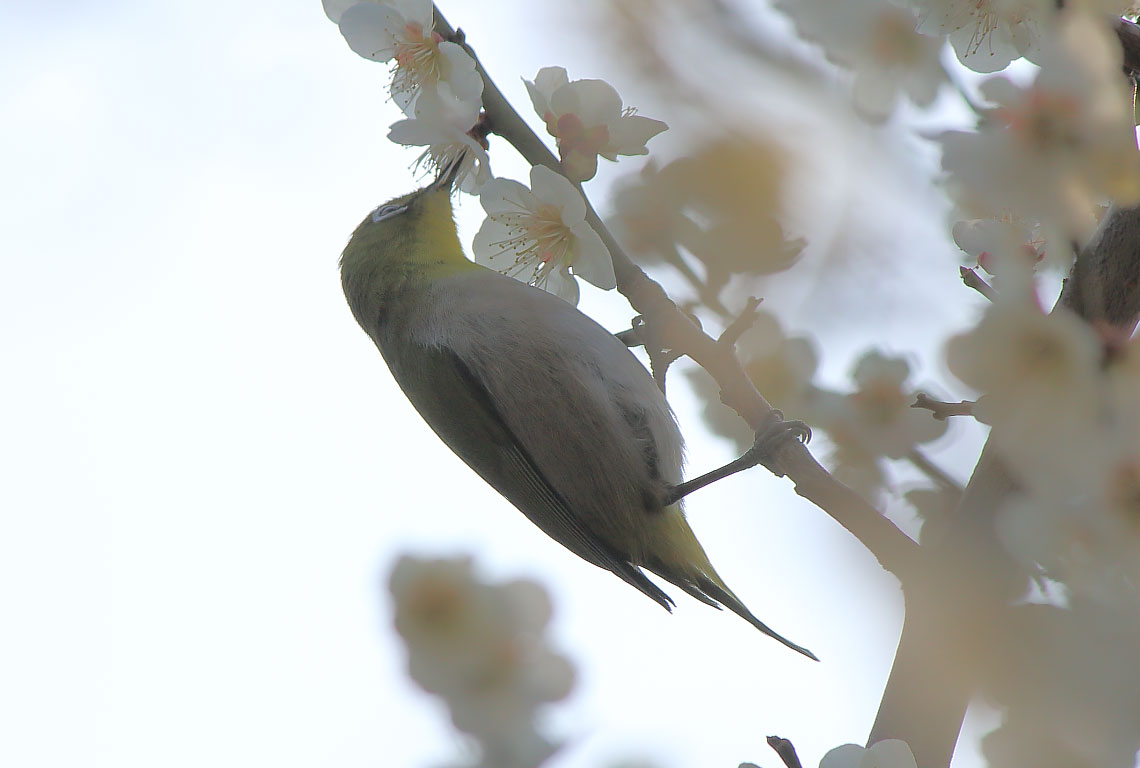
x=387 y=212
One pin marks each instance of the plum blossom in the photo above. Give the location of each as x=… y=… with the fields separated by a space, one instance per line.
x=402 y=31
x=993 y=241
x=877 y=41
x=1052 y=151
x=540 y=235
x=987 y=34
x=1027 y=363
x=587 y=119
x=481 y=648
x=889 y=753
x=442 y=126
x=721 y=204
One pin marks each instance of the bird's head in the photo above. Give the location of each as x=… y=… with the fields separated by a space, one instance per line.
x=418 y=227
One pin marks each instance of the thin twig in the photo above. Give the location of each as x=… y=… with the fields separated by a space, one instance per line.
x=924 y=463
x=940 y=410
x=738 y=327
x=786 y=750
x=973 y=280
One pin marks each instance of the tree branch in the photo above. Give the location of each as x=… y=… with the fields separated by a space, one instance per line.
x=951 y=618
x=894 y=550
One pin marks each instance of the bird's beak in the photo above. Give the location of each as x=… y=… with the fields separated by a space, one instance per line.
x=449 y=172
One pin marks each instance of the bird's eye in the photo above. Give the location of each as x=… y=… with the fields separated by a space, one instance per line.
x=387 y=212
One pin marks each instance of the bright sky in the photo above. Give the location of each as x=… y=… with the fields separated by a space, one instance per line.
x=208 y=471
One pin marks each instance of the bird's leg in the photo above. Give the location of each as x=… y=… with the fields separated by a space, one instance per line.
x=768 y=437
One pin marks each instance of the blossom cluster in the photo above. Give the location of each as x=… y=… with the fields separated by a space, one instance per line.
x=481 y=648
x=537 y=235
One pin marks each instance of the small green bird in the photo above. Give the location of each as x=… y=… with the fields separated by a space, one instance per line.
x=542 y=402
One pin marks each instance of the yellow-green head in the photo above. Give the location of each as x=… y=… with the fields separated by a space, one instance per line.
x=400 y=248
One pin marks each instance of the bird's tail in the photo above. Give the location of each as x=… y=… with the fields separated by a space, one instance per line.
x=688 y=567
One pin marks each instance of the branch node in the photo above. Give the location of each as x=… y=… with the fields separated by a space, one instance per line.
x=940 y=410
x=973 y=280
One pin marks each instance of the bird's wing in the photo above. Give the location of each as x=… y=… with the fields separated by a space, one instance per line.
x=464 y=415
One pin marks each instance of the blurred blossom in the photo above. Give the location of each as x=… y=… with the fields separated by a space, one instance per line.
x=1052 y=151
x=587 y=119
x=540 y=235
x=889 y=753
x=1079 y=514
x=877 y=41
x=987 y=34
x=993 y=241
x=442 y=126
x=876 y=420
x=481 y=648
x=721 y=205
x=402 y=31
x=1040 y=377
x=781 y=367
x=1066 y=680
x=935 y=506
x=648 y=216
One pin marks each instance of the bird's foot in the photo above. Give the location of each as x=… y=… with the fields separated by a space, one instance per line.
x=771 y=436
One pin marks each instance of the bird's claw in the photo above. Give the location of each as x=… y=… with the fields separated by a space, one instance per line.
x=774 y=434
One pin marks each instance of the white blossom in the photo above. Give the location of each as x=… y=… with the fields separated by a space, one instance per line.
x=587 y=119
x=442 y=126
x=1052 y=151
x=889 y=753
x=481 y=648
x=402 y=31
x=877 y=41
x=540 y=235
x=991 y=241
x=987 y=34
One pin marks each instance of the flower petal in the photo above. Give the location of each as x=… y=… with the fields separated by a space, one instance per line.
x=591 y=259
x=563 y=285
x=506 y=196
x=629 y=134
x=594 y=101
x=553 y=188
x=368 y=30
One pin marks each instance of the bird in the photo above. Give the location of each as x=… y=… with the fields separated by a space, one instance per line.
x=544 y=404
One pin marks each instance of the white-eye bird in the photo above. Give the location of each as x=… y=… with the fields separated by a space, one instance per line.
x=542 y=402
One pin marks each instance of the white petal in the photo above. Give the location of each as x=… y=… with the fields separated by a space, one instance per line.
x=592 y=260
x=412 y=133
x=506 y=196
x=552 y=188
x=550 y=79
x=594 y=101
x=335 y=8
x=487 y=245
x=629 y=134
x=459 y=73
x=415 y=12
x=846 y=756
x=368 y=29
x=563 y=285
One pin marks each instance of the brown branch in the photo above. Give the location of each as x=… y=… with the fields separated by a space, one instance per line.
x=924 y=463
x=1129 y=34
x=738 y=327
x=786 y=750
x=894 y=550
x=973 y=280
x=956 y=615
x=940 y=410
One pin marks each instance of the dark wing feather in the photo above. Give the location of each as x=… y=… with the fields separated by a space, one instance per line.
x=464 y=415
